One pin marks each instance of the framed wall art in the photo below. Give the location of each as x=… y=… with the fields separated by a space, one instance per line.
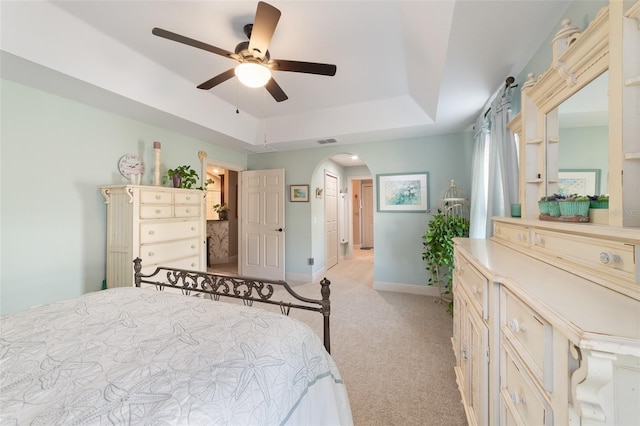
x=298 y=193
x=579 y=181
x=408 y=192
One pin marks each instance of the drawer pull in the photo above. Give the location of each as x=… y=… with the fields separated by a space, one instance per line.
x=158 y=211
x=498 y=229
x=516 y=326
x=522 y=236
x=608 y=257
x=193 y=228
x=151 y=254
x=188 y=210
x=474 y=290
x=463 y=351
x=188 y=197
x=193 y=265
x=158 y=197
x=151 y=232
x=540 y=241
x=516 y=399
x=192 y=246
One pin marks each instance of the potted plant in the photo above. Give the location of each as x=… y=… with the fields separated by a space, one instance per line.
x=574 y=205
x=223 y=211
x=183 y=176
x=599 y=202
x=548 y=205
x=438 y=249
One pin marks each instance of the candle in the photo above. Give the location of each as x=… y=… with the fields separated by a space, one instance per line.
x=156 y=145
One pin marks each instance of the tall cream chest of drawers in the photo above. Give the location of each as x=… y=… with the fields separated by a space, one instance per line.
x=162 y=226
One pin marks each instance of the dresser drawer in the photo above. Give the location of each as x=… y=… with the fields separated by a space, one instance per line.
x=187 y=197
x=163 y=252
x=474 y=283
x=530 y=334
x=512 y=233
x=155 y=196
x=155 y=212
x=609 y=257
x=187 y=210
x=522 y=400
x=165 y=231
x=191 y=263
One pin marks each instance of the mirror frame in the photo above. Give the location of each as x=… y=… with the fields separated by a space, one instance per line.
x=578 y=59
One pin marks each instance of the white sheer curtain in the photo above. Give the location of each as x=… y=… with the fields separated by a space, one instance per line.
x=479 y=179
x=497 y=157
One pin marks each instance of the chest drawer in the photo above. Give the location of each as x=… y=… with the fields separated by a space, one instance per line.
x=155 y=212
x=163 y=252
x=191 y=263
x=148 y=196
x=512 y=233
x=529 y=333
x=164 y=231
x=190 y=210
x=523 y=401
x=474 y=283
x=600 y=255
x=187 y=197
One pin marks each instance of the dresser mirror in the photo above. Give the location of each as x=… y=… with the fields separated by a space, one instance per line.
x=578 y=142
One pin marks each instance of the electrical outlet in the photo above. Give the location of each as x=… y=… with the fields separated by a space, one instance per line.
x=311 y=261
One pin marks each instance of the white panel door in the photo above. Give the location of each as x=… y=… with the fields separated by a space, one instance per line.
x=331 y=219
x=262 y=224
x=367 y=214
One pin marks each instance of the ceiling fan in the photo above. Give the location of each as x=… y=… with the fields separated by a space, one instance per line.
x=256 y=64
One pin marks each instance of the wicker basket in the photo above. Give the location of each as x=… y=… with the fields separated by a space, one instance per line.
x=554 y=208
x=574 y=208
x=544 y=207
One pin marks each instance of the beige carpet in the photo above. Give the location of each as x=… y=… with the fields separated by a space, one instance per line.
x=393 y=349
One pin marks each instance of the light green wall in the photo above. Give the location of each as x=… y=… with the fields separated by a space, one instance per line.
x=586 y=148
x=54 y=154
x=397 y=236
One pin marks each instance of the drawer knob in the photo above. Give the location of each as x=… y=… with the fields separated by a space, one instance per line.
x=608 y=257
x=539 y=241
x=516 y=399
x=158 y=211
x=157 y=197
x=474 y=289
x=150 y=254
x=188 y=197
x=192 y=246
x=522 y=236
x=188 y=210
x=151 y=232
x=193 y=265
x=516 y=326
x=193 y=228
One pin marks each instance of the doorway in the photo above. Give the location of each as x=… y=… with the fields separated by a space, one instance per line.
x=362 y=209
x=331 y=218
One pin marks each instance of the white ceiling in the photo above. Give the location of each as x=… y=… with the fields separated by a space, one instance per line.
x=404 y=68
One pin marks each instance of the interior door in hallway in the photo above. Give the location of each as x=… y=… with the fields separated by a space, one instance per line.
x=367 y=213
x=331 y=218
x=262 y=224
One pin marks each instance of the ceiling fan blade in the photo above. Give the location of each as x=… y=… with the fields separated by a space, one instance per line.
x=276 y=91
x=220 y=78
x=191 y=42
x=305 y=67
x=264 y=25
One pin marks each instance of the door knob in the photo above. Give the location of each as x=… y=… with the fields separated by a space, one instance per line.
x=279 y=229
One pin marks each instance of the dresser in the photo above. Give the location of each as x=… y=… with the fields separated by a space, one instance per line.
x=162 y=226
x=536 y=344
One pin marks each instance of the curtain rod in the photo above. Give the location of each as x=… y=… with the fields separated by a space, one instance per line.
x=508 y=83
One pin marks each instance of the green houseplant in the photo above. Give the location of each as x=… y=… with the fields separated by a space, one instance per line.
x=183 y=176
x=222 y=210
x=438 y=249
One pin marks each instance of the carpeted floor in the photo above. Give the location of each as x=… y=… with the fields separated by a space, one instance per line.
x=393 y=349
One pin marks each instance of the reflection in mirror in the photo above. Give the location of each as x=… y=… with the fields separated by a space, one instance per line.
x=581 y=142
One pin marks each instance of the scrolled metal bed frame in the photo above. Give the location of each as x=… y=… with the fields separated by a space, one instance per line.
x=247 y=289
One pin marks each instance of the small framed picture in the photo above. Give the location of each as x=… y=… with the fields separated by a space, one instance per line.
x=298 y=193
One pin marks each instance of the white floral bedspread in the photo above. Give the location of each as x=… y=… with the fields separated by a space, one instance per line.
x=134 y=356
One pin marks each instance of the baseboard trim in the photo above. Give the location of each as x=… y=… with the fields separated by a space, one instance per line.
x=294 y=277
x=423 y=290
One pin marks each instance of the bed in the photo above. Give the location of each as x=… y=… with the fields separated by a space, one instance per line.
x=133 y=355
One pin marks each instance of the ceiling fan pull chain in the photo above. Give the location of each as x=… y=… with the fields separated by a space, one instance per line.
x=237 y=102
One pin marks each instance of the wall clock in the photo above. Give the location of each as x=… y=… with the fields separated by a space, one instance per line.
x=130 y=164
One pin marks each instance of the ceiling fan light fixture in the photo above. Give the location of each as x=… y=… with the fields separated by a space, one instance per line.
x=252 y=74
